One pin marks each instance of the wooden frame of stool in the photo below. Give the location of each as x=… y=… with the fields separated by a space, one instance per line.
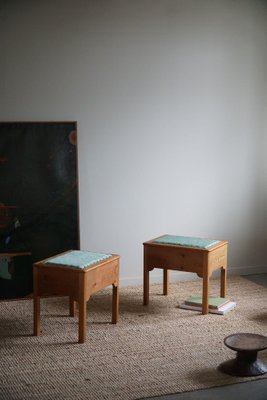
x=78 y=285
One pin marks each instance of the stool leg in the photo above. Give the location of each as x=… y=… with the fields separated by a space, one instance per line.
x=223 y=282
x=166 y=281
x=36 y=303
x=205 y=294
x=82 y=309
x=72 y=307
x=36 y=315
x=146 y=286
x=115 y=303
x=82 y=321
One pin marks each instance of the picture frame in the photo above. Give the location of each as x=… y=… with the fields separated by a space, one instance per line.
x=39 y=212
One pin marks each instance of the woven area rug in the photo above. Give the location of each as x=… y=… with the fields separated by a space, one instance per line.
x=154 y=350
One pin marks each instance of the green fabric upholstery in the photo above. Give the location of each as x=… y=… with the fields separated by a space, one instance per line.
x=77 y=259
x=186 y=241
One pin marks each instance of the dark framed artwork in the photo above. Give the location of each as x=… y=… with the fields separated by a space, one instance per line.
x=38 y=199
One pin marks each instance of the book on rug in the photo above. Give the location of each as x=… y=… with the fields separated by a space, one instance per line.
x=214 y=301
x=223 y=309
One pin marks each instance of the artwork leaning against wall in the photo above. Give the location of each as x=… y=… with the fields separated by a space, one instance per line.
x=39 y=214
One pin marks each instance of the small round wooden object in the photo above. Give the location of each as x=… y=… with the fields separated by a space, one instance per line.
x=246 y=363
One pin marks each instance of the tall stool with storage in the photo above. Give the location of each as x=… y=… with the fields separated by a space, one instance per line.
x=76 y=274
x=189 y=254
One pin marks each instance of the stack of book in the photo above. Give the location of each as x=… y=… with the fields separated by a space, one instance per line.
x=217 y=305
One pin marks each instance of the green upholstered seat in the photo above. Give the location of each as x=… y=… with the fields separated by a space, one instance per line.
x=77 y=259
x=186 y=241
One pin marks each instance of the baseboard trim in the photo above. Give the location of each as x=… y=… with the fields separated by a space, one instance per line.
x=248 y=270
x=156 y=276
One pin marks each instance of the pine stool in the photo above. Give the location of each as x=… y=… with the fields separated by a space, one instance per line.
x=181 y=253
x=77 y=274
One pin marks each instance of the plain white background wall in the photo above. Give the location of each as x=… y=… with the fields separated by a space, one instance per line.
x=170 y=99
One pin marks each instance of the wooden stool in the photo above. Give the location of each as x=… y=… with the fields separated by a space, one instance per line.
x=76 y=274
x=246 y=363
x=181 y=253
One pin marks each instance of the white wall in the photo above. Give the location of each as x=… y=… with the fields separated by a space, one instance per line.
x=170 y=98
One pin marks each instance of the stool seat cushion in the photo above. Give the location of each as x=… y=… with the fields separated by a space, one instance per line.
x=186 y=241
x=77 y=259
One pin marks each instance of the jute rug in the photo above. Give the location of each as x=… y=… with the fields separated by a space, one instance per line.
x=154 y=350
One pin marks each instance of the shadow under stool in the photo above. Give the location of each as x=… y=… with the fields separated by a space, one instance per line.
x=76 y=274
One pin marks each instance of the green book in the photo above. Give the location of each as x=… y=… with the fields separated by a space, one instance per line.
x=215 y=302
